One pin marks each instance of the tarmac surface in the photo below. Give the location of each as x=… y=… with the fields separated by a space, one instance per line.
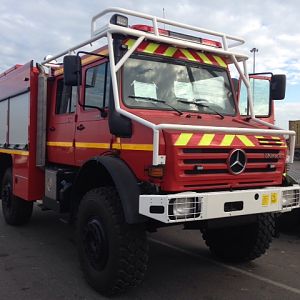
x=39 y=261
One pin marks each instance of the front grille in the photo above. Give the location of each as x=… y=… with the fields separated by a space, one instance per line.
x=215 y=161
x=206 y=168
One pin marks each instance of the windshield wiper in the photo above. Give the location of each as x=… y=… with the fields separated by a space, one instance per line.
x=158 y=101
x=198 y=103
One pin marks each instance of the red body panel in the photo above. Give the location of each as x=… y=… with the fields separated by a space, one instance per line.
x=28 y=179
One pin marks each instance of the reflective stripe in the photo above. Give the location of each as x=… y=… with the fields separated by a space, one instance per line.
x=227 y=140
x=245 y=140
x=130 y=43
x=188 y=55
x=93 y=145
x=206 y=139
x=170 y=51
x=151 y=47
x=138 y=147
x=60 y=144
x=204 y=58
x=16 y=152
x=183 y=139
x=220 y=61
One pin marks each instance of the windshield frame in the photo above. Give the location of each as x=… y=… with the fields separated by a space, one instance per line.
x=169 y=60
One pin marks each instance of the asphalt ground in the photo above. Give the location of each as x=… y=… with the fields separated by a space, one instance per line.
x=39 y=261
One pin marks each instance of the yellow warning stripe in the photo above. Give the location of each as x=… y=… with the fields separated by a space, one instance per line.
x=245 y=140
x=93 y=145
x=206 y=139
x=60 y=144
x=129 y=43
x=170 y=51
x=220 y=61
x=204 y=58
x=183 y=139
x=227 y=140
x=270 y=142
x=137 y=147
x=267 y=138
x=151 y=48
x=17 y=152
x=188 y=54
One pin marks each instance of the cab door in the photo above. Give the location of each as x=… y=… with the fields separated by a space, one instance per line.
x=92 y=136
x=61 y=125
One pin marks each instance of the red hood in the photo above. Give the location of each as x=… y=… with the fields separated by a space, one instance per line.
x=157 y=117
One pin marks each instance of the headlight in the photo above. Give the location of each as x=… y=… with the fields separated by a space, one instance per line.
x=184 y=208
x=290 y=198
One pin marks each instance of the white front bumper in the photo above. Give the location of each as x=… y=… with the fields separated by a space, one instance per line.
x=222 y=204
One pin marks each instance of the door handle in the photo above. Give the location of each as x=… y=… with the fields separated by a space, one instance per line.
x=80 y=127
x=52 y=128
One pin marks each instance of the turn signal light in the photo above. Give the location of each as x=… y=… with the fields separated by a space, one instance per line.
x=156 y=171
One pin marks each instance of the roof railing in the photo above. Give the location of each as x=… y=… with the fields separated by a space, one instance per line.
x=226 y=38
x=228 y=41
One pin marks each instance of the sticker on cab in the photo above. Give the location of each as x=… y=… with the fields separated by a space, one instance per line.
x=274 y=198
x=265 y=200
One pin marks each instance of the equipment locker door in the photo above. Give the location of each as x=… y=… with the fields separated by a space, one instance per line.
x=92 y=135
x=61 y=126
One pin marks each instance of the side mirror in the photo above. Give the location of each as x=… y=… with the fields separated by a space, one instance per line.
x=72 y=70
x=277 y=88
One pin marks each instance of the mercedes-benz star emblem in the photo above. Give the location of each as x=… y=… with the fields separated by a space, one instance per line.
x=237 y=161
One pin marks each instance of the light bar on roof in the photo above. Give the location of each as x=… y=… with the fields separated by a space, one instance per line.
x=177 y=35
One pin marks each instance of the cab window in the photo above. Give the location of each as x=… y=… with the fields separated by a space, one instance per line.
x=66 y=97
x=97 y=82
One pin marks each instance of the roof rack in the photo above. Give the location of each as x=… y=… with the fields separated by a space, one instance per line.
x=228 y=41
x=237 y=41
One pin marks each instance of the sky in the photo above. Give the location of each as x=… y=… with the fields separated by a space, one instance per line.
x=32 y=29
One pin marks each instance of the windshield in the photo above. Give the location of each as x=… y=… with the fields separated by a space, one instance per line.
x=181 y=85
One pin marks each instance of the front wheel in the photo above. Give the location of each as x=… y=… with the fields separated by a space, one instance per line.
x=16 y=211
x=241 y=243
x=113 y=254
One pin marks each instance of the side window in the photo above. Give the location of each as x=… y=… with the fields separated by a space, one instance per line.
x=66 y=97
x=261 y=96
x=97 y=83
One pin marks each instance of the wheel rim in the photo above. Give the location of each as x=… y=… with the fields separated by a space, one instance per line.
x=95 y=243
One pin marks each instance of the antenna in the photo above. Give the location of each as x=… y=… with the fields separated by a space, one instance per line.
x=164 y=16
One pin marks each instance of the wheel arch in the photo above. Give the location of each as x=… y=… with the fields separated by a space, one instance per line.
x=108 y=171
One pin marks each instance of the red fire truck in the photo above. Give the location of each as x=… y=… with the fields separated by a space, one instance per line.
x=142 y=133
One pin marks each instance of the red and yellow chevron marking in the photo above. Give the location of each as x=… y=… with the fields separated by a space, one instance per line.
x=186 y=54
x=224 y=140
x=270 y=141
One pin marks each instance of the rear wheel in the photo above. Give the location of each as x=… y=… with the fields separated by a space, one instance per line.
x=16 y=211
x=113 y=254
x=241 y=243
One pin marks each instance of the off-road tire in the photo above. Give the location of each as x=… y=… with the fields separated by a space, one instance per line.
x=113 y=254
x=241 y=243
x=16 y=211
